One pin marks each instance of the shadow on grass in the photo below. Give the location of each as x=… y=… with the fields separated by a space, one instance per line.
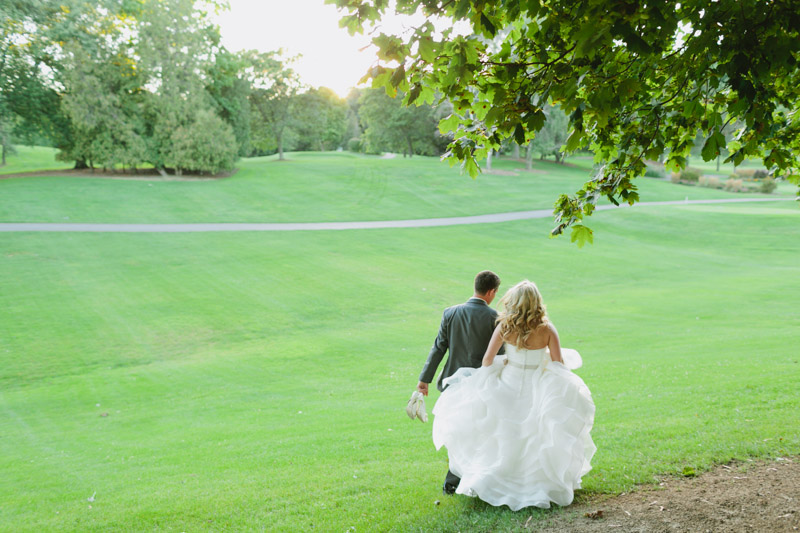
x=473 y=514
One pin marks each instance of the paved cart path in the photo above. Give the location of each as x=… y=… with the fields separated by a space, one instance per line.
x=329 y=226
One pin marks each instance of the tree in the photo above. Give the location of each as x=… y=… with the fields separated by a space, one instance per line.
x=551 y=138
x=129 y=76
x=274 y=86
x=176 y=45
x=637 y=79
x=393 y=127
x=354 y=131
x=113 y=82
x=102 y=95
x=320 y=120
x=25 y=103
x=229 y=91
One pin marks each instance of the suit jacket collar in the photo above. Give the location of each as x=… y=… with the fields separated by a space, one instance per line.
x=476 y=300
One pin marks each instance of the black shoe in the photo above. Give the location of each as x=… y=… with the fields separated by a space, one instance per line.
x=449 y=488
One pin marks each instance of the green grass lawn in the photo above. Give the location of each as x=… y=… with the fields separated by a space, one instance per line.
x=311 y=187
x=31 y=158
x=256 y=381
x=708 y=167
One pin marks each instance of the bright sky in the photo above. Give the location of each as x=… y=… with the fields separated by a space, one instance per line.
x=330 y=56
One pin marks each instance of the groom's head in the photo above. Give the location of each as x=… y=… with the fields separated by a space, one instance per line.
x=486 y=285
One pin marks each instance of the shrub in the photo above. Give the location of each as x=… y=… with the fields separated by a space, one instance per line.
x=675 y=177
x=746 y=173
x=653 y=172
x=712 y=182
x=207 y=145
x=690 y=175
x=768 y=186
x=354 y=144
x=760 y=174
x=734 y=185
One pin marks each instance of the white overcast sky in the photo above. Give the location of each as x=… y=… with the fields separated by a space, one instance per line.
x=330 y=56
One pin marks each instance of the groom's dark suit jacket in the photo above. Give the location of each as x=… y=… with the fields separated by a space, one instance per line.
x=465 y=330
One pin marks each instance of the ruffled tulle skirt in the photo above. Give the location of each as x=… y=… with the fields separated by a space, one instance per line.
x=517 y=435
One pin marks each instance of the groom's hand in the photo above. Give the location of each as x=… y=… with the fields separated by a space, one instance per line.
x=423 y=388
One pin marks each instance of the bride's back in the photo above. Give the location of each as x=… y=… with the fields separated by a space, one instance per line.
x=537 y=339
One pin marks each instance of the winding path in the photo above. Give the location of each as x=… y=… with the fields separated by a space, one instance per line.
x=328 y=226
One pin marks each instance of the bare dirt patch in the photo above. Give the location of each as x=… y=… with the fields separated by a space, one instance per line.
x=762 y=496
x=143 y=174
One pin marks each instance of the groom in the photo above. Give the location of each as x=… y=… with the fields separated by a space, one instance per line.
x=465 y=330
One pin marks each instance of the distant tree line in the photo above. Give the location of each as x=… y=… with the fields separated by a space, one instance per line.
x=122 y=84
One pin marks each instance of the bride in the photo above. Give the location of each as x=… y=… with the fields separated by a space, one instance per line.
x=517 y=429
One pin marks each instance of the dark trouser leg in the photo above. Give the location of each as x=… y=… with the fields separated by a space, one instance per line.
x=451 y=482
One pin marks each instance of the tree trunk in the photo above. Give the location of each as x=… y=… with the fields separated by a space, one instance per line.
x=718 y=158
x=280 y=147
x=80 y=164
x=529 y=157
x=410 y=147
x=489 y=160
x=162 y=172
x=4 y=142
x=516 y=151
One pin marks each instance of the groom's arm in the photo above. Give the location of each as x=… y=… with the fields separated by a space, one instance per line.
x=439 y=348
x=502 y=350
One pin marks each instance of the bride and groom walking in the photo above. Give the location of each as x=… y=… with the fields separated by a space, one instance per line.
x=516 y=428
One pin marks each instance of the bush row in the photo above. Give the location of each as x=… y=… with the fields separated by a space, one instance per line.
x=734 y=183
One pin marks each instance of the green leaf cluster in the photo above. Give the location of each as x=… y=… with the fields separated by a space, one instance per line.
x=637 y=80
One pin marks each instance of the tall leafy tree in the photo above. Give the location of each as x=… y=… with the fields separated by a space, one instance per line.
x=637 y=79
x=117 y=81
x=354 y=129
x=320 y=120
x=176 y=44
x=391 y=126
x=103 y=92
x=550 y=140
x=273 y=88
x=229 y=90
x=26 y=104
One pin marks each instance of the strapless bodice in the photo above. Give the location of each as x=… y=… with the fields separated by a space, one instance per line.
x=524 y=356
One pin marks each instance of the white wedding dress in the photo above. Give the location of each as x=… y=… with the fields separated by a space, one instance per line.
x=517 y=432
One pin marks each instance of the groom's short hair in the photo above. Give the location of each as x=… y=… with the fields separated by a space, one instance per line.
x=486 y=281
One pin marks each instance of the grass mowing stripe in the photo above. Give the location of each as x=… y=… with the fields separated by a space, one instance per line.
x=330 y=187
x=251 y=380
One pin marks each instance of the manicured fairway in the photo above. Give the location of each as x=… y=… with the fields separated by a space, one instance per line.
x=254 y=381
x=312 y=187
x=32 y=158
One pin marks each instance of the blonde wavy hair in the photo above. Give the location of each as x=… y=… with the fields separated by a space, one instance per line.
x=523 y=312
